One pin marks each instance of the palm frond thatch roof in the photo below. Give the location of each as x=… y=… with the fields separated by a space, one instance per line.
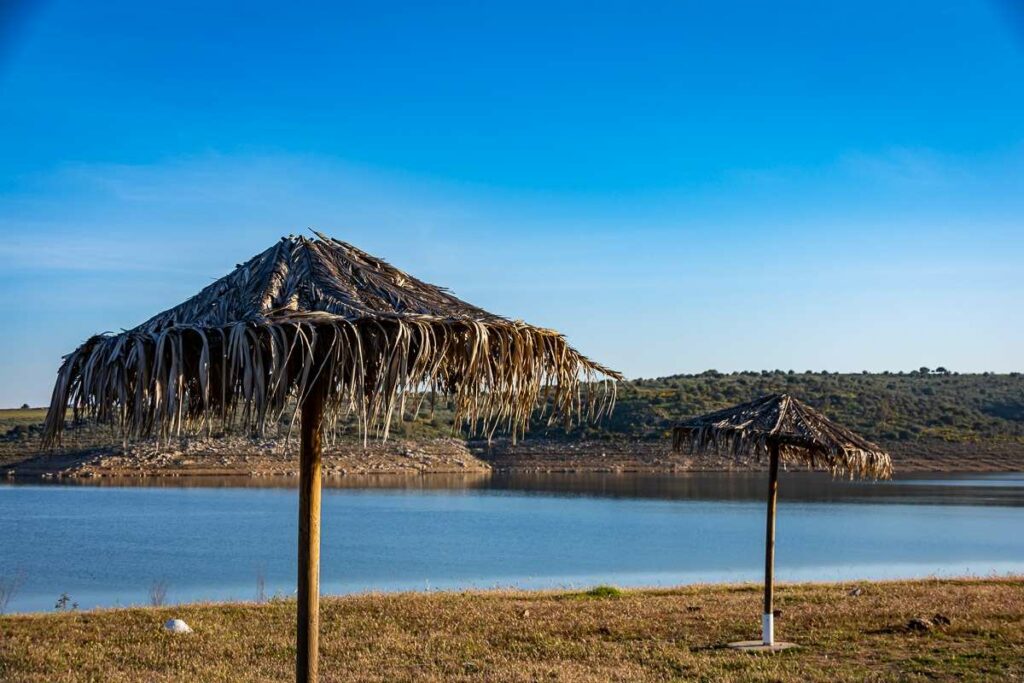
x=802 y=434
x=308 y=310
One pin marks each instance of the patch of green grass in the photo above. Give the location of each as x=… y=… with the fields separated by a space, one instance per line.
x=603 y=592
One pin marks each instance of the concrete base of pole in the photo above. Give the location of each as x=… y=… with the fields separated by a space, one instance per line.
x=757 y=647
x=767 y=642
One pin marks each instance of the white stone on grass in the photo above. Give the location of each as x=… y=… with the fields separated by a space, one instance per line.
x=177 y=626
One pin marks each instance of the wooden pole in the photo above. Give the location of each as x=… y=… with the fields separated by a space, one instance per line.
x=308 y=632
x=768 y=618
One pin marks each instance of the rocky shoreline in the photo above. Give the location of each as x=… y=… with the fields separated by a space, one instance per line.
x=657 y=456
x=91 y=455
x=240 y=456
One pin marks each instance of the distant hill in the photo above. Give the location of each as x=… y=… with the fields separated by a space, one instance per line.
x=929 y=422
x=885 y=407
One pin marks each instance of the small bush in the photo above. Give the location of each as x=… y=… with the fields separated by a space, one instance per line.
x=65 y=604
x=8 y=587
x=158 y=593
x=261 y=586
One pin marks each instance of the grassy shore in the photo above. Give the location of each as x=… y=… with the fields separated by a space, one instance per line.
x=648 y=635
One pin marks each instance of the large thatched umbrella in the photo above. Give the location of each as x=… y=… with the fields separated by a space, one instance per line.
x=782 y=428
x=319 y=328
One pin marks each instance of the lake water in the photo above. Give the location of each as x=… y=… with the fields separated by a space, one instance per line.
x=106 y=545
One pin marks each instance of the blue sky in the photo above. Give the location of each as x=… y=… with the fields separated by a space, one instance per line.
x=675 y=185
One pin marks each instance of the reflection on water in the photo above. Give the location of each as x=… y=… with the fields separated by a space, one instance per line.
x=933 y=489
x=105 y=544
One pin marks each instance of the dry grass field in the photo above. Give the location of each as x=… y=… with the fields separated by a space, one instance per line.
x=645 y=635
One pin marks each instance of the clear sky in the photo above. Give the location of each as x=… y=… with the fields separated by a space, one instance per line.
x=675 y=185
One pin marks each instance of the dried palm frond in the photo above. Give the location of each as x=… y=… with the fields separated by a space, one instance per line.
x=803 y=435
x=318 y=312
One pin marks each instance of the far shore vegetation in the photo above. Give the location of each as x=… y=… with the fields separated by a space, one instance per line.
x=885 y=407
x=931 y=419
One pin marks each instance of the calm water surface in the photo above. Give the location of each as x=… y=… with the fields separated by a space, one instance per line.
x=211 y=539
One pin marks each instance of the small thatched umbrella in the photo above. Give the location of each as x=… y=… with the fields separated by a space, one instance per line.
x=322 y=329
x=782 y=428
